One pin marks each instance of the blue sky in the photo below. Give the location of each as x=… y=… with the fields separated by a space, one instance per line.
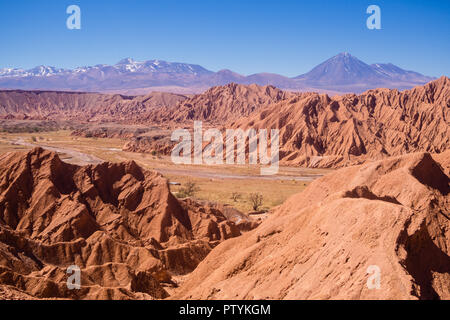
x=246 y=36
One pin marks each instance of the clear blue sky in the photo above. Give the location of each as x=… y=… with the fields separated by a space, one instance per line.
x=246 y=36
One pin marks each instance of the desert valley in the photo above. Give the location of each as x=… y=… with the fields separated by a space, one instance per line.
x=86 y=179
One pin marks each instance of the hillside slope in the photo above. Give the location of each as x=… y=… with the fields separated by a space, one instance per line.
x=319 y=131
x=391 y=214
x=80 y=106
x=222 y=103
x=117 y=222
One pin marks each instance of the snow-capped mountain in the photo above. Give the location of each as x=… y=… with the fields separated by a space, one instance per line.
x=130 y=65
x=341 y=73
x=341 y=69
x=39 y=71
x=11 y=72
x=127 y=65
x=347 y=70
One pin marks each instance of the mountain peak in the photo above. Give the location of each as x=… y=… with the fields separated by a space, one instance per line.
x=341 y=73
x=344 y=54
x=126 y=61
x=341 y=69
x=227 y=71
x=346 y=70
x=440 y=82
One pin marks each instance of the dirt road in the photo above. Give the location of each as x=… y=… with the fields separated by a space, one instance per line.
x=67 y=155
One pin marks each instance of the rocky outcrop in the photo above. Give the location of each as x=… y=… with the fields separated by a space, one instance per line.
x=117 y=222
x=319 y=131
x=222 y=103
x=81 y=106
x=389 y=216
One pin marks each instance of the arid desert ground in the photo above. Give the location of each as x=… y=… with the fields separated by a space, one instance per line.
x=88 y=180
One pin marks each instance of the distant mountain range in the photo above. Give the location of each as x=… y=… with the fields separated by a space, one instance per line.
x=341 y=73
x=345 y=72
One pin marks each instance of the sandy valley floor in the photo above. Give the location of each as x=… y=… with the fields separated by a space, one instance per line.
x=216 y=183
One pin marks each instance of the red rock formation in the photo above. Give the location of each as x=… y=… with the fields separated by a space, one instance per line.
x=315 y=130
x=119 y=223
x=215 y=106
x=222 y=103
x=393 y=214
x=80 y=106
x=319 y=131
x=153 y=142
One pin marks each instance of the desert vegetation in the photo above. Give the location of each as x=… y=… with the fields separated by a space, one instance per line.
x=236 y=196
x=256 y=200
x=189 y=189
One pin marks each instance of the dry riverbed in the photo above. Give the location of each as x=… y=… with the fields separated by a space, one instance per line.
x=215 y=183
